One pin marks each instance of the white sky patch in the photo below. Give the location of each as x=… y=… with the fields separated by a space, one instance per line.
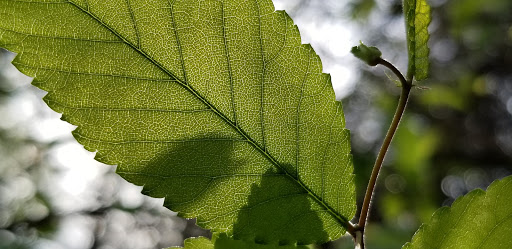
x=130 y=196
x=13 y=78
x=331 y=37
x=77 y=174
x=342 y=79
x=280 y=4
x=79 y=165
x=17 y=109
x=51 y=128
x=332 y=41
x=76 y=232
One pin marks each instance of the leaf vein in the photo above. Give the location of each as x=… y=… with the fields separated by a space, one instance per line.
x=16 y=63
x=134 y=23
x=130 y=109
x=178 y=42
x=457 y=222
x=297 y=124
x=228 y=61
x=61 y=37
x=160 y=141
x=262 y=82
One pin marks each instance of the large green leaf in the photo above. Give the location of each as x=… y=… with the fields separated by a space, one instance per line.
x=214 y=105
x=417 y=19
x=479 y=219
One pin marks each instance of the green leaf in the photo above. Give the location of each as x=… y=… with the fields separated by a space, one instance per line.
x=222 y=241
x=370 y=55
x=197 y=243
x=417 y=19
x=479 y=219
x=215 y=106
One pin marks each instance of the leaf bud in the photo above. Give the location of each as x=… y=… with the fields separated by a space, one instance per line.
x=370 y=55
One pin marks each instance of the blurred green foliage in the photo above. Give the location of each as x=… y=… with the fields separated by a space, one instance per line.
x=456 y=134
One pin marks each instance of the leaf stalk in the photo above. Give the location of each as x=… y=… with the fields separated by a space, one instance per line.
x=402 y=103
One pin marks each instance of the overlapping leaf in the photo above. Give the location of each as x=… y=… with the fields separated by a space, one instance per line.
x=214 y=105
x=480 y=219
x=221 y=241
x=197 y=243
x=417 y=19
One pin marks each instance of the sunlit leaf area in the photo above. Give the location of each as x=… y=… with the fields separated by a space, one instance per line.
x=456 y=135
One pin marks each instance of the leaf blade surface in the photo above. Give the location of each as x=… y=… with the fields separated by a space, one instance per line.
x=221 y=241
x=417 y=19
x=201 y=102
x=480 y=219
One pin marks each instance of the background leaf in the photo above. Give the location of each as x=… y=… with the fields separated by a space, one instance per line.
x=417 y=19
x=476 y=220
x=215 y=106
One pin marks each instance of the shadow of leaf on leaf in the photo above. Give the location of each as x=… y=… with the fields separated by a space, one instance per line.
x=278 y=210
x=230 y=188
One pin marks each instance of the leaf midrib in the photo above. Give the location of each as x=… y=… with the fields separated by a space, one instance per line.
x=342 y=220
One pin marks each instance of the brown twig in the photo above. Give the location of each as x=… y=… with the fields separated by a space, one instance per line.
x=402 y=103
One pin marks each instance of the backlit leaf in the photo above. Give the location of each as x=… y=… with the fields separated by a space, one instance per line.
x=197 y=243
x=417 y=19
x=480 y=219
x=221 y=241
x=215 y=106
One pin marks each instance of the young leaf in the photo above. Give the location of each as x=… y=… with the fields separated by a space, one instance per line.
x=417 y=19
x=215 y=106
x=476 y=220
x=370 y=55
x=222 y=241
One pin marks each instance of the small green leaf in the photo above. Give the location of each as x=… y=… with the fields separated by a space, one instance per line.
x=417 y=19
x=480 y=219
x=222 y=241
x=215 y=106
x=196 y=243
x=370 y=55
